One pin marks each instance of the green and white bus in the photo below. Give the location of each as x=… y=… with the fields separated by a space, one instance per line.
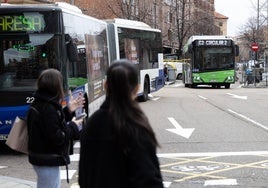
x=210 y=61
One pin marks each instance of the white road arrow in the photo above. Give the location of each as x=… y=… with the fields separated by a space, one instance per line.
x=186 y=133
x=237 y=96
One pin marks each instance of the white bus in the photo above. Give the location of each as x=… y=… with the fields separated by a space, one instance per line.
x=141 y=44
x=40 y=36
x=37 y=37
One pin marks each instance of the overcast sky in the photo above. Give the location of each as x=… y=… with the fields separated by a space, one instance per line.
x=238 y=12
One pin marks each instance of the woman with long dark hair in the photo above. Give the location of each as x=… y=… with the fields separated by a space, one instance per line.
x=118 y=145
x=51 y=129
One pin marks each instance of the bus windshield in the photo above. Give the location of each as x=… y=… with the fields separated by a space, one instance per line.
x=211 y=59
x=54 y=35
x=24 y=57
x=28 y=44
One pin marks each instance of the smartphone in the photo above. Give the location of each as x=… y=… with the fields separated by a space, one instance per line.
x=81 y=116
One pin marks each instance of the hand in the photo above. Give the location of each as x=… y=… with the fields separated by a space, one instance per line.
x=78 y=122
x=76 y=103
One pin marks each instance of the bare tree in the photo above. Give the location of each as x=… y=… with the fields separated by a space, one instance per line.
x=191 y=22
x=140 y=10
x=253 y=31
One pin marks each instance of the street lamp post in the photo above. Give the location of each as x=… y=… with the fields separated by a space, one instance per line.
x=266 y=46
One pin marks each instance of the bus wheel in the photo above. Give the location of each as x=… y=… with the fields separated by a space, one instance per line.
x=179 y=77
x=144 y=97
x=227 y=86
x=193 y=85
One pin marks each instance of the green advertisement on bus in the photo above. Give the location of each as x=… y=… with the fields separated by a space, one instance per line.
x=214 y=77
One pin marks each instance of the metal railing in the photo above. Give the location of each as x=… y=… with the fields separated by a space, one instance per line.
x=255 y=78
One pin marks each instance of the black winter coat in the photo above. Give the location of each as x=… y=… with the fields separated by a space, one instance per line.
x=49 y=134
x=103 y=163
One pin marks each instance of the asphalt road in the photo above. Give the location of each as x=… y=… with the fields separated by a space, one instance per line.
x=208 y=137
x=211 y=137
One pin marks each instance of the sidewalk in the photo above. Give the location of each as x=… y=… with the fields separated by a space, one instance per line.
x=9 y=182
x=261 y=84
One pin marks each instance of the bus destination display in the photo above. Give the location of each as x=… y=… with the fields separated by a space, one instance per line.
x=213 y=43
x=22 y=23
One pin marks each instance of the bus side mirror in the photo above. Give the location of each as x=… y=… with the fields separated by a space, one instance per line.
x=236 y=50
x=72 y=51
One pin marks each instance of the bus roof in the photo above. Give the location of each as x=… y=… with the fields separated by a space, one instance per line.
x=45 y=6
x=211 y=37
x=125 y=23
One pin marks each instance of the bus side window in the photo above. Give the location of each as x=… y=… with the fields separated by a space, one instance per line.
x=72 y=51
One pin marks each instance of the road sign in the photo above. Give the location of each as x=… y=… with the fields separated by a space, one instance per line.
x=254 y=47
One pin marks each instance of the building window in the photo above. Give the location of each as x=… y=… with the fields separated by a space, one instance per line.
x=170 y=17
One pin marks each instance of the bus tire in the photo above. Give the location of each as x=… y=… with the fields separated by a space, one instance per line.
x=179 y=76
x=193 y=85
x=144 y=97
x=227 y=86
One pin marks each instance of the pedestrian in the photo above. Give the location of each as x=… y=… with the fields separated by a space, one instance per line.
x=118 y=145
x=166 y=72
x=51 y=128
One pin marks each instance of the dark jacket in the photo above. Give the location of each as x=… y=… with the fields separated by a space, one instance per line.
x=49 y=134
x=103 y=163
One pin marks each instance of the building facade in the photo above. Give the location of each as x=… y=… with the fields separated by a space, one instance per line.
x=221 y=22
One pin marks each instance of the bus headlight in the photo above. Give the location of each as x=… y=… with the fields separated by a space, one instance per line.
x=230 y=78
x=197 y=78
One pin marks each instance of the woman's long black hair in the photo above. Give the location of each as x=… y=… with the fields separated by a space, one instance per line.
x=122 y=80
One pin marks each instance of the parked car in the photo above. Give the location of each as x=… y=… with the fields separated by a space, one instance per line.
x=177 y=65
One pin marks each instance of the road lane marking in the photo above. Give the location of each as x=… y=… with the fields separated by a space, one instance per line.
x=190 y=174
x=77 y=144
x=166 y=184
x=200 y=96
x=153 y=98
x=221 y=170
x=185 y=160
x=237 y=96
x=248 y=119
x=211 y=154
x=75 y=157
x=212 y=174
x=220 y=182
x=75 y=185
x=184 y=132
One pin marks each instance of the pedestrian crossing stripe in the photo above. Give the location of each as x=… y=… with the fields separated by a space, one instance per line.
x=63 y=175
x=220 y=182
x=74 y=157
